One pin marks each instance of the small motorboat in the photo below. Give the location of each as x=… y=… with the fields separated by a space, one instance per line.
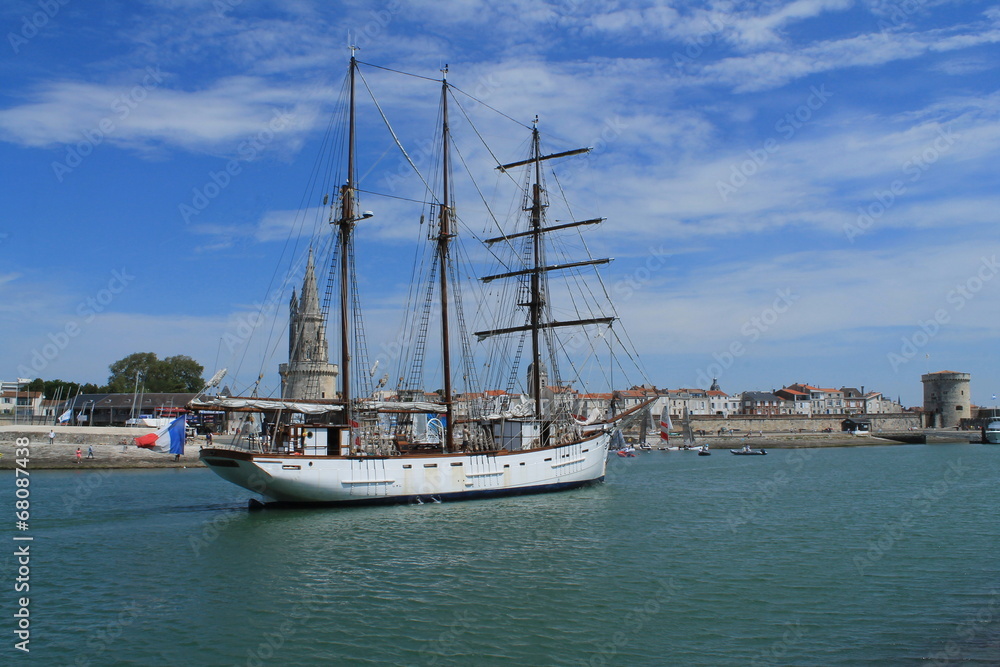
x=747 y=451
x=625 y=452
x=704 y=451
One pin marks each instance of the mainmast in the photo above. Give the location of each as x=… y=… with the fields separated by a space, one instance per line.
x=444 y=238
x=346 y=223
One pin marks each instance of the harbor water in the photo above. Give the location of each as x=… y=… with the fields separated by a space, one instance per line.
x=839 y=556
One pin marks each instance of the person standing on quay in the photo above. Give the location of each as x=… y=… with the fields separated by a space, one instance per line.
x=52 y=436
x=79 y=455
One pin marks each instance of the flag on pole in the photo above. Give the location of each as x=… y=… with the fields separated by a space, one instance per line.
x=66 y=416
x=168 y=440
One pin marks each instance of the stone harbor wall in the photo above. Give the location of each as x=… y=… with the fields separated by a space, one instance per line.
x=107 y=452
x=802 y=423
x=72 y=435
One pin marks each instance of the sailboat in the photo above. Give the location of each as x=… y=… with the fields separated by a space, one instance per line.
x=687 y=444
x=373 y=445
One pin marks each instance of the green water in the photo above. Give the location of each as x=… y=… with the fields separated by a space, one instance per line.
x=849 y=556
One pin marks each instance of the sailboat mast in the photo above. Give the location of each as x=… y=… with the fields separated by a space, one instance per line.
x=346 y=222
x=536 y=292
x=444 y=238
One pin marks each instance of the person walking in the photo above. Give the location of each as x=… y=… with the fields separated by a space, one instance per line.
x=52 y=436
x=79 y=455
x=90 y=451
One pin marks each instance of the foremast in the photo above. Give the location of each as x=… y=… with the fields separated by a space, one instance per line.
x=445 y=235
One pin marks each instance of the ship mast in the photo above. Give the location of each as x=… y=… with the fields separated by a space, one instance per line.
x=537 y=272
x=444 y=238
x=346 y=223
x=536 y=303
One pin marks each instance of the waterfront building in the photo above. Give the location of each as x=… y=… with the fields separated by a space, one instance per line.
x=25 y=403
x=822 y=401
x=800 y=400
x=764 y=403
x=694 y=401
x=722 y=404
x=854 y=401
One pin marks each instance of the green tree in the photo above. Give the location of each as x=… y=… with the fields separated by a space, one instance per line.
x=137 y=367
x=180 y=373
x=183 y=374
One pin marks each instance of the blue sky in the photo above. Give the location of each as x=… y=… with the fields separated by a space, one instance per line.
x=795 y=191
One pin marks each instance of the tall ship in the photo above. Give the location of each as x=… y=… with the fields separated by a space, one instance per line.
x=340 y=434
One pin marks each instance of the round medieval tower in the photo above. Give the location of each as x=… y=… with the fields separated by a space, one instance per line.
x=946 y=398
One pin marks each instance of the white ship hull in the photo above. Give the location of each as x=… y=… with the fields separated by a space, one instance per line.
x=292 y=479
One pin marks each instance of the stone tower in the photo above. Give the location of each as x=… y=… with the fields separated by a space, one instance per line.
x=308 y=373
x=946 y=398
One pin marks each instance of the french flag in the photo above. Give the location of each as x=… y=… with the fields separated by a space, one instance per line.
x=168 y=440
x=665 y=426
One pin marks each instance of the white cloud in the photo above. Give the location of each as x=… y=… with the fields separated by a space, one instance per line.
x=775 y=68
x=230 y=113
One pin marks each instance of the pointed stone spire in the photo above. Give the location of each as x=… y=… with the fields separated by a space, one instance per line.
x=309 y=301
x=307 y=374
